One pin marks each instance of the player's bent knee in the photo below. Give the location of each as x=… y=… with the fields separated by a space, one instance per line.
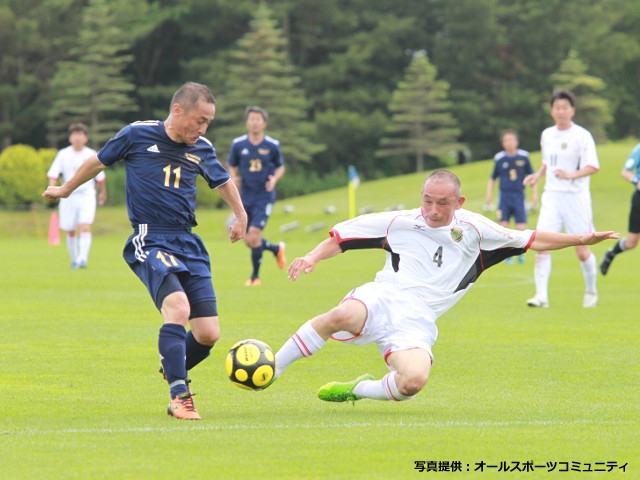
x=410 y=386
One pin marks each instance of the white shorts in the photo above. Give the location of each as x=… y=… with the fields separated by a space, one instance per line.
x=569 y=211
x=394 y=320
x=76 y=210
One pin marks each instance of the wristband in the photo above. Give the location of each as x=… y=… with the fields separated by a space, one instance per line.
x=635 y=180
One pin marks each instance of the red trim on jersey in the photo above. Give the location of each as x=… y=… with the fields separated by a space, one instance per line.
x=533 y=237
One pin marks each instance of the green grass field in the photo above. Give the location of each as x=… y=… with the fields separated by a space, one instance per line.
x=82 y=397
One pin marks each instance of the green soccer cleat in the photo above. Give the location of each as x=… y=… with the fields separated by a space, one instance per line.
x=342 y=392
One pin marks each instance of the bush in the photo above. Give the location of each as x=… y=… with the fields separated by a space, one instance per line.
x=22 y=176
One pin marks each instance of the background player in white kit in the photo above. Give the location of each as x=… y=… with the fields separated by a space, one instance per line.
x=77 y=213
x=569 y=157
x=434 y=255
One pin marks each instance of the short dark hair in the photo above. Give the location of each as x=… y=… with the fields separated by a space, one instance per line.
x=189 y=94
x=563 y=94
x=509 y=131
x=78 y=127
x=256 y=109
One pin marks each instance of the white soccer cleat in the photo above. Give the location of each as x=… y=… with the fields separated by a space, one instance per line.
x=538 y=302
x=590 y=300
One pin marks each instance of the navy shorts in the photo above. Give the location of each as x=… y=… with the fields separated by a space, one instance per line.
x=634 y=214
x=512 y=206
x=258 y=213
x=153 y=253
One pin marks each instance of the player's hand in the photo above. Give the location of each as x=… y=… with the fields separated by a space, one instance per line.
x=564 y=175
x=597 y=237
x=298 y=266
x=271 y=184
x=238 y=229
x=530 y=179
x=54 y=192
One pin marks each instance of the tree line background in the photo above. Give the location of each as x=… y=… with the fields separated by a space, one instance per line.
x=390 y=87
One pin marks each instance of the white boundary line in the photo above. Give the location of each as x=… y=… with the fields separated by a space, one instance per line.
x=191 y=426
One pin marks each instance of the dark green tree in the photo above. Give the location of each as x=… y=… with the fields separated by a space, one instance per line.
x=260 y=73
x=422 y=126
x=592 y=110
x=91 y=86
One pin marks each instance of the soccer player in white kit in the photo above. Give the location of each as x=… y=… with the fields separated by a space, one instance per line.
x=434 y=255
x=77 y=213
x=569 y=159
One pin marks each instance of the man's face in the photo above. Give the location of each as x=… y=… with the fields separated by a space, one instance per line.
x=78 y=139
x=255 y=123
x=562 y=112
x=192 y=124
x=439 y=202
x=510 y=142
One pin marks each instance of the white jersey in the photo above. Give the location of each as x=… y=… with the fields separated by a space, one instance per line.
x=67 y=162
x=569 y=150
x=436 y=266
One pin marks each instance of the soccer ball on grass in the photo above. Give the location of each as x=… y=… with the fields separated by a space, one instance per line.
x=251 y=364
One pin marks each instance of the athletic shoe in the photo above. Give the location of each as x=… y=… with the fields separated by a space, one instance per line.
x=182 y=407
x=75 y=265
x=590 y=300
x=342 y=392
x=82 y=264
x=509 y=261
x=537 y=302
x=520 y=259
x=606 y=262
x=253 y=282
x=282 y=260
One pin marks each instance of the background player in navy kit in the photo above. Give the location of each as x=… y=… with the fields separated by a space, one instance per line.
x=256 y=164
x=512 y=165
x=163 y=161
x=631 y=173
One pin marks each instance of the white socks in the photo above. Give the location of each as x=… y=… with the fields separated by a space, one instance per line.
x=304 y=343
x=84 y=247
x=72 y=247
x=541 y=273
x=590 y=272
x=385 y=389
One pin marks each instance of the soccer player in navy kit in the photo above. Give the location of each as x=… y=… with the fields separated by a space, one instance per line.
x=512 y=165
x=256 y=164
x=162 y=162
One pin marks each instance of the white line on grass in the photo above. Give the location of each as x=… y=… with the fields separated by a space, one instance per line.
x=203 y=426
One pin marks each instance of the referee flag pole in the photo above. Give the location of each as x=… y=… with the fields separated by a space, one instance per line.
x=354 y=182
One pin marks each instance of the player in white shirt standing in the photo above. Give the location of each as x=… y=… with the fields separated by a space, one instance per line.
x=434 y=255
x=569 y=159
x=77 y=212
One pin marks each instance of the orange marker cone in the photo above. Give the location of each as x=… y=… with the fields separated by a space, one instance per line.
x=54 y=232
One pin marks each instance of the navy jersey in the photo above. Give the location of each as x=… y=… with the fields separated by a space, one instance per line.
x=512 y=169
x=256 y=163
x=161 y=174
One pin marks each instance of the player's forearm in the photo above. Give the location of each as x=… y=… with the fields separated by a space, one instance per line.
x=555 y=241
x=279 y=172
x=231 y=196
x=88 y=170
x=584 y=172
x=326 y=249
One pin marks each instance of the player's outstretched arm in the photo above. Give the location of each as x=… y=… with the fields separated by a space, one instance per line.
x=555 y=241
x=325 y=249
x=88 y=170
